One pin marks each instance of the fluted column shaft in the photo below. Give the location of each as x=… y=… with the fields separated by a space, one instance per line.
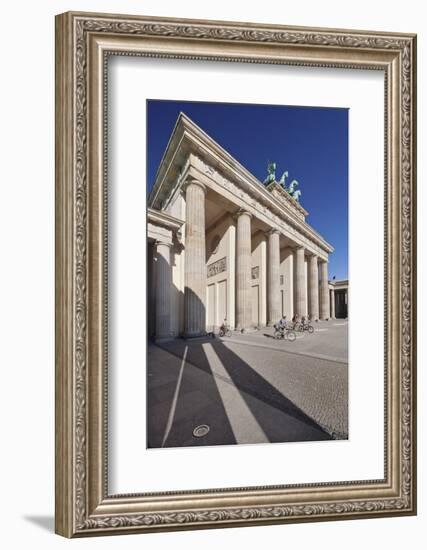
x=332 y=298
x=273 y=280
x=195 y=260
x=313 y=288
x=163 y=290
x=324 y=291
x=300 y=291
x=243 y=270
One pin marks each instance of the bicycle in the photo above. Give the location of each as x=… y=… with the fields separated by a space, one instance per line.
x=303 y=326
x=224 y=330
x=284 y=333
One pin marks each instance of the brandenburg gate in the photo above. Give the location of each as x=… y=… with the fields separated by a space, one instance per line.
x=223 y=245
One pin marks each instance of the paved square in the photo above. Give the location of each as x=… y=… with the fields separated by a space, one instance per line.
x=249 y=388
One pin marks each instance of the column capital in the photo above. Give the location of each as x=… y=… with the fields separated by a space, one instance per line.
x=193 y=181
x=158 y=243
x=272 y=231
x=241 y=212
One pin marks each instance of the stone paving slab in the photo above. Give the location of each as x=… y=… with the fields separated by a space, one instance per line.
x=277 y=418
x=285 y=396
x=318 y=387
x=329 y=340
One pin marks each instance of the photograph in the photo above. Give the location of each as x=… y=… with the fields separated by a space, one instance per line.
x=247 y=273
x=235 y=272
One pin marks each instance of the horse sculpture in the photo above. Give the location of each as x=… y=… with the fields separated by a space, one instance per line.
x=292 y=186
x=271 y=169
x=296 y=195
x=282 y=180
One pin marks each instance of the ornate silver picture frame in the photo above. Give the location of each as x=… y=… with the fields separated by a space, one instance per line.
x=84 y=42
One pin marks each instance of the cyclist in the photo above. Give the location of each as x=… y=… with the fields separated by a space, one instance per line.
x=224 y=327
x=282 y=322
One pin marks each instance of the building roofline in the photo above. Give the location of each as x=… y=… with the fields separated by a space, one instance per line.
x=335 y=282
x=163 y=219
x=187 y=134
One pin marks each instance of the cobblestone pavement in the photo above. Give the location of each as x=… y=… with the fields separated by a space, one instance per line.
x=249 y=388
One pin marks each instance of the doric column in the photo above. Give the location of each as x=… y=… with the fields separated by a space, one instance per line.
x=195 y=260
x=313 y=288
x=263 y=281
x=273 y=278
x=243 y=270
x=332 y=298
x=346 y=302
x=151 y=289
x=300 y=291
x=163 y=290
x=324 y=291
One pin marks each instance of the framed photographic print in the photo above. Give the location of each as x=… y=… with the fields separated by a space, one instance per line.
x=235 y=274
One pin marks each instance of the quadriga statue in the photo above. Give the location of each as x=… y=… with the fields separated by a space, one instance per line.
x=292 y=189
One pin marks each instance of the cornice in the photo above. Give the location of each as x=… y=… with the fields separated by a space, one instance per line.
x=164 y=220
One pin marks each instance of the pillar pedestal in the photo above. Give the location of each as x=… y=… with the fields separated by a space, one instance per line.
x=273 y=280
x=195 y=261
x=243 y=270
x=324 y=291
x=313 y=274
x=332 y=299
x=163 y=291
x=300 y=291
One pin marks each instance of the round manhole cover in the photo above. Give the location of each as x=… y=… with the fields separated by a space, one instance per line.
x=201 y=431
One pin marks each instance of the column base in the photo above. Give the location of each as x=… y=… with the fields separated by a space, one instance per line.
x=245 y=330
x=163 y=339
x=193 y=335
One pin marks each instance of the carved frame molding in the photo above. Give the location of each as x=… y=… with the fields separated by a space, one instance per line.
x=83 y=42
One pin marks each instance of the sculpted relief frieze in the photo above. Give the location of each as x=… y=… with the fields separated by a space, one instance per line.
x=217 y=267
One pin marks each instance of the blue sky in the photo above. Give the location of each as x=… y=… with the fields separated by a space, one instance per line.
x=311 y=143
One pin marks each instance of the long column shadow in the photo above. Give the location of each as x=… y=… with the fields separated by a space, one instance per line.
x=252 y=384
x=261 y=397
x=199 y=402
